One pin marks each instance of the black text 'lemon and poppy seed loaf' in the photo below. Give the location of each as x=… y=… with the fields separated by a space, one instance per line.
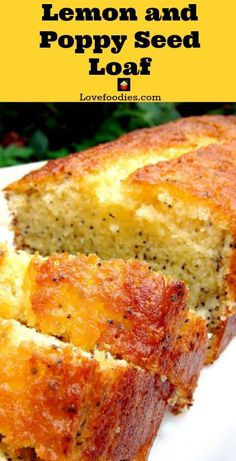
x=165 y=194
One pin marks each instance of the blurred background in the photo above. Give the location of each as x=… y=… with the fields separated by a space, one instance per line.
x=32 y=132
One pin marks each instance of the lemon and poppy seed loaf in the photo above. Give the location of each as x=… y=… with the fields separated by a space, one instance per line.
x=164 y=194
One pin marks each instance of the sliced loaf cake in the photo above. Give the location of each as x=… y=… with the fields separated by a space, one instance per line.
x=178 y=213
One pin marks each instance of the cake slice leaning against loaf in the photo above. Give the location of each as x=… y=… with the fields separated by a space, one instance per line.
x=117 y=306
x=178 y=213
x=58 y=403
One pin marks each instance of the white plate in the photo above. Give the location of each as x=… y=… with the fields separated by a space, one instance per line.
x=207 y=432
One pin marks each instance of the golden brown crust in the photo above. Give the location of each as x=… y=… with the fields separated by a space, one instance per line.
x=125 y=296
x=65 y=407
x=183 y=133
x=135 y=400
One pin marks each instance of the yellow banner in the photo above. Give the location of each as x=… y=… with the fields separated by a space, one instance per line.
x=143 y=50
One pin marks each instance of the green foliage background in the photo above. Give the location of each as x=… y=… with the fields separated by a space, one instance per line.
x=37 y=131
